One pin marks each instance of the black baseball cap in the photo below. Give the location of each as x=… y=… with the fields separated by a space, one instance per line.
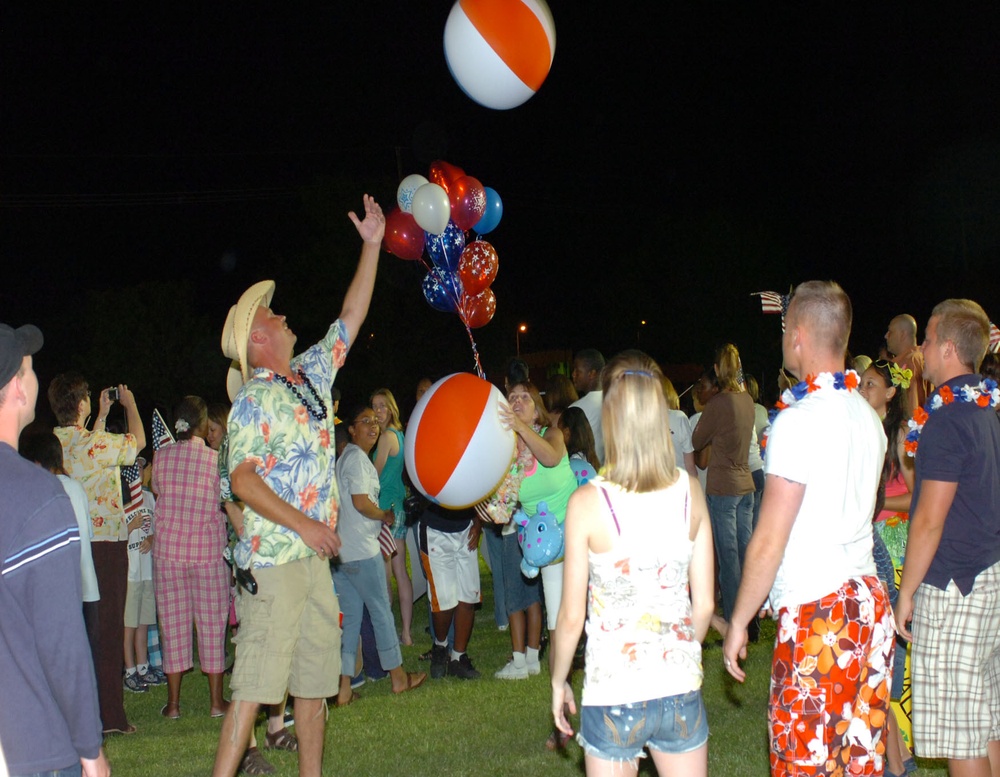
x=15 y=344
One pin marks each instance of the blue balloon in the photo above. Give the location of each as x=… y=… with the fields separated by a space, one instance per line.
x=442 y=290
x=445 y=250
x=491 y=216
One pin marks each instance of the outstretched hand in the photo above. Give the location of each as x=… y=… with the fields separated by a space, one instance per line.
x=372 y=229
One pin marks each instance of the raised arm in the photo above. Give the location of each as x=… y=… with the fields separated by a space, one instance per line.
x=548 y=449
x=359 y=293
x=132 y=417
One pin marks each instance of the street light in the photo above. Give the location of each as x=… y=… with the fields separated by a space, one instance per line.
x=638 y=332
x=520 y=330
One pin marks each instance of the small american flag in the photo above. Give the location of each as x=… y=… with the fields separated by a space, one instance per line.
x=773 y=302
x=994 y=338
x=385 y=541
x=161 y=434
x=132 y=487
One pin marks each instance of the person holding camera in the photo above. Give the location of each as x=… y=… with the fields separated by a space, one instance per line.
x=92 y=458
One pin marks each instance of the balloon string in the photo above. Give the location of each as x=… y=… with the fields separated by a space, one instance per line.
x=475 y=352
x=451 y=286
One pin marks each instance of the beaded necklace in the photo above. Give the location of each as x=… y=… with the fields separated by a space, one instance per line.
x=985 y=395
x=319 y=415
x=838 y=381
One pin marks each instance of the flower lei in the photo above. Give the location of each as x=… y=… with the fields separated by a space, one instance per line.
x=986 y=394
x=838 y=381
x=502 y=503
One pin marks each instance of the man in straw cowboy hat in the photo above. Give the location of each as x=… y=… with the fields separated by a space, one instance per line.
x=281 y=458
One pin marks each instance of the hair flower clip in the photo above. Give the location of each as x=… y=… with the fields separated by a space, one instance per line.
x=900 y=376
x=180 y=425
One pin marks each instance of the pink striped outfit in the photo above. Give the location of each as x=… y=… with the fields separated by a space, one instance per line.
x=189 y=576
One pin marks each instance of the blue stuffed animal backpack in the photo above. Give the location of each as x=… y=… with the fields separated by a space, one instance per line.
x=541 y=539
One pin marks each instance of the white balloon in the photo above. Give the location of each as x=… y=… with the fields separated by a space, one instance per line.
x=431 y=208
x=407 y=188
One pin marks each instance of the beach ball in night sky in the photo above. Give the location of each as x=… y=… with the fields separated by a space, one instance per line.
x=500 y=51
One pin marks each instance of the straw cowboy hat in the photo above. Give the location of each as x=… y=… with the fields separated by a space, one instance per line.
x=236 y=333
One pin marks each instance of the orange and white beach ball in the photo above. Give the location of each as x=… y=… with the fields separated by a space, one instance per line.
x=456 y=450
x=500 y=51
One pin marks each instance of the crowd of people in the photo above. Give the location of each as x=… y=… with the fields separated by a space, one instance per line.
x=867 y=505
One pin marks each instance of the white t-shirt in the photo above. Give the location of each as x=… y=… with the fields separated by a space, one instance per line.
x=140 y=565
x=88 y=577
x=754 y=459
x=680 y=435
x=358 y=535
x=590 y=404
x=702 y=473
x=833 y=443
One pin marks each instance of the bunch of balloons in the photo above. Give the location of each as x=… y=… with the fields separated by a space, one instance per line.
x=434 y=215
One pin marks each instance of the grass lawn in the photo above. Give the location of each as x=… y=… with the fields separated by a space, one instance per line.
x=450 y=727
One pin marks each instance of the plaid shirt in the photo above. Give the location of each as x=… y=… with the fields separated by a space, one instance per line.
x=190 y=525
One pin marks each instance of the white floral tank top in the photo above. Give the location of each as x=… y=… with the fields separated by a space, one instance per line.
x=640 y=636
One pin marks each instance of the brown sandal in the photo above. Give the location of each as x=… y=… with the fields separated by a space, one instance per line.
x=254 y=763
x=281 y=740
x=353 y=698
x=413 y=680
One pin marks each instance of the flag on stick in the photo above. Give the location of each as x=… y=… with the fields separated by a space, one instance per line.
x=773 y=302
x=132 y=487
x=161 y=434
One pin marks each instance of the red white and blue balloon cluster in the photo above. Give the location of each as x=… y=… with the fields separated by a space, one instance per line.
x=434 y=215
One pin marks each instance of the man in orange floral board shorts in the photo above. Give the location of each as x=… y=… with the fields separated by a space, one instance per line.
x=812 y=553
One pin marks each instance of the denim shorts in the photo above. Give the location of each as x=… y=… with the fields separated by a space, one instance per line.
x=673 y=724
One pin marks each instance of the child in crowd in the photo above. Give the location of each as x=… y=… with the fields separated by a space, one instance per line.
x=140 y=601
x=579 y=443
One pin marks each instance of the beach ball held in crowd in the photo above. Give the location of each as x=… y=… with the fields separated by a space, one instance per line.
x=456 y=450
x=500 y=51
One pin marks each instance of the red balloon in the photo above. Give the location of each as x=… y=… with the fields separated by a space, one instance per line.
x=478 y=266
x=468 y=201
x=445 y=174
x=403 y=236
x=478 y=310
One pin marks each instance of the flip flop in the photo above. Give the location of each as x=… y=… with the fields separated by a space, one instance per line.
x=413 y=680
x=163 y=712
x=128 y=729
x=354 y=697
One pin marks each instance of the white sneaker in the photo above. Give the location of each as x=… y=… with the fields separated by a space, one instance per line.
x=512 y=672
x=534 y=667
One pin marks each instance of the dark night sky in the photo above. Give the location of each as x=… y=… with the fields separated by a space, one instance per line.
x=676 y=159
